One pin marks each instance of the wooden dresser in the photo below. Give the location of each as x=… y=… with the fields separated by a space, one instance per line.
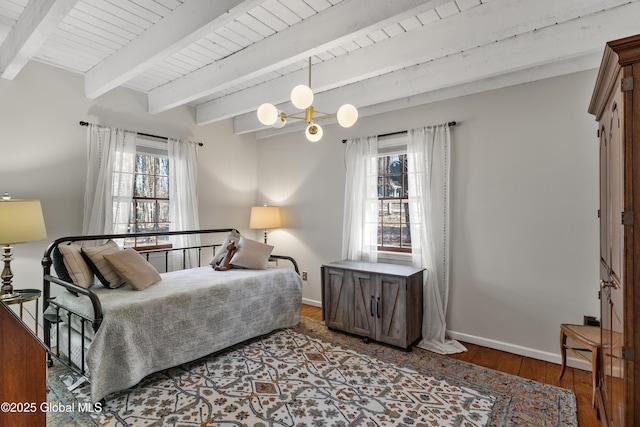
x=616 y=106
x=23 y=373
x=377 y=301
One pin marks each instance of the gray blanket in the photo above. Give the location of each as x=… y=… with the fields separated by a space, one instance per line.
x=188 y=314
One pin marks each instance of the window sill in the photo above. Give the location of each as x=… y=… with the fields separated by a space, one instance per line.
x=402 y=258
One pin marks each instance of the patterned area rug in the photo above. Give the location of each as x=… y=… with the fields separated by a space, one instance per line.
x=309 y=376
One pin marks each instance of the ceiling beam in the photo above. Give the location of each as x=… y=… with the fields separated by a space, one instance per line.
x=573 y=39
x=316 y=34
x=36 y=23
x=435 y=40
x=190 y=22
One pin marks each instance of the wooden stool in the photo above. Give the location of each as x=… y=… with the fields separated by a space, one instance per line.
x=589 y=338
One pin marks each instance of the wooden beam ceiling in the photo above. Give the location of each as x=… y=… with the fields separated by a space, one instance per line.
x=36 y=23
x=226 y=57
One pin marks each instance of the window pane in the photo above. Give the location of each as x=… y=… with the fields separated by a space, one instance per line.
x=143 y=186
x=406 y=236
x=162 y=166
x=393 y=186
x=145 y=211
x=163 y=211
x=162 y=187
x=394 y=164
x=144 y=163
x=405 y=212
x=391 y=211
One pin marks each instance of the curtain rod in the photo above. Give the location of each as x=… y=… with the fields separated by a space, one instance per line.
x=344 y=141
x=143 y=134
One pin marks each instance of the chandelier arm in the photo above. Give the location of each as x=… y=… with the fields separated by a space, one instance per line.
x=295 y=116
x=324 y=115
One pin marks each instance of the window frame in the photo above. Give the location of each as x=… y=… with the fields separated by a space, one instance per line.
x=154 y=148
x=390 y=146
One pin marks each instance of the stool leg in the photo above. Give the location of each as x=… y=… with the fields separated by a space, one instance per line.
x=563 y=353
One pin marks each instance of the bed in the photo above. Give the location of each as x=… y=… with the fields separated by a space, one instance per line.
x=116 y=337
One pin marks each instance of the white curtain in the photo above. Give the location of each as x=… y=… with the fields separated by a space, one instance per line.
x=360 y=229
x=110 y=168
x=428 y=167
x=183 y=198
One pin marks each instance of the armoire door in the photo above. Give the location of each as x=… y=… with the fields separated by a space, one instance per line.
x=612 y=221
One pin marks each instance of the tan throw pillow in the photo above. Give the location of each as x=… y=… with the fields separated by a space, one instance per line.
x=133 y=268
x=76 y=266
x=99 y=265
x=251 y=254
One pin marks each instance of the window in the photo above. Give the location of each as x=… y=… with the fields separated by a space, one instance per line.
x=149 y=211
x=393 y=203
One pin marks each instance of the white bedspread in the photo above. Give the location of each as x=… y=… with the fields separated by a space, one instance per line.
x=188 y=314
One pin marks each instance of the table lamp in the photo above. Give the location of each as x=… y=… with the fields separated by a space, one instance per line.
x=21 y=221
x=265 y=217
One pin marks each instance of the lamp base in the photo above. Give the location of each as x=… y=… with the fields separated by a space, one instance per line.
x=6 y=291
x=9 y=296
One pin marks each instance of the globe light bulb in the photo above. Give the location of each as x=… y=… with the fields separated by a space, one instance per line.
x=267 y=114
x=302 y=97
x=281 y=120
x=313 y=132
x=347 y=115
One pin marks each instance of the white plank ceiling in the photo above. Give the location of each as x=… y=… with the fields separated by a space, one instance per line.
x=226 y=57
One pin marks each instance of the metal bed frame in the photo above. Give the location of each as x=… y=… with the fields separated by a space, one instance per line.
x=50 y=319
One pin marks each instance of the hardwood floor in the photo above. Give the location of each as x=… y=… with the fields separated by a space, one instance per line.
x=574 y=379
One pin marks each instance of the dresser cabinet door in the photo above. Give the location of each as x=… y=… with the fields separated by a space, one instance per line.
x=363 y=321
x=337 y=300
x=391 y=312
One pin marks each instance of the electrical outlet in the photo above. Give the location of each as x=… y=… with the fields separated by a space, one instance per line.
x=304 y=275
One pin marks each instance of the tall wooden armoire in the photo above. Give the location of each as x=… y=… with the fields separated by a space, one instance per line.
x=23 y=373
x=616 y=106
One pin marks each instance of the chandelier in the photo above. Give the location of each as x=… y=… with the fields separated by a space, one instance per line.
x=302 y=98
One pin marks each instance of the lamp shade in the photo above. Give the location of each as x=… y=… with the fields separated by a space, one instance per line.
x=265 y=217
x=21 y=221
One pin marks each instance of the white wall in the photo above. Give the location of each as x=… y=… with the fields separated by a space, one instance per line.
x=44 y=155
x=524 y=204
x=524 y=244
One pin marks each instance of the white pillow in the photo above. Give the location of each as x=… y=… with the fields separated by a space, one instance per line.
x=251 y=254
x=234 y=237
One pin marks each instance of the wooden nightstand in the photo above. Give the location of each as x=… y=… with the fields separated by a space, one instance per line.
x=25 y=295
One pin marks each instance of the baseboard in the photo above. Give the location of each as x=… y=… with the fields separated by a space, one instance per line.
x=572 y=361
x=311 y=302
